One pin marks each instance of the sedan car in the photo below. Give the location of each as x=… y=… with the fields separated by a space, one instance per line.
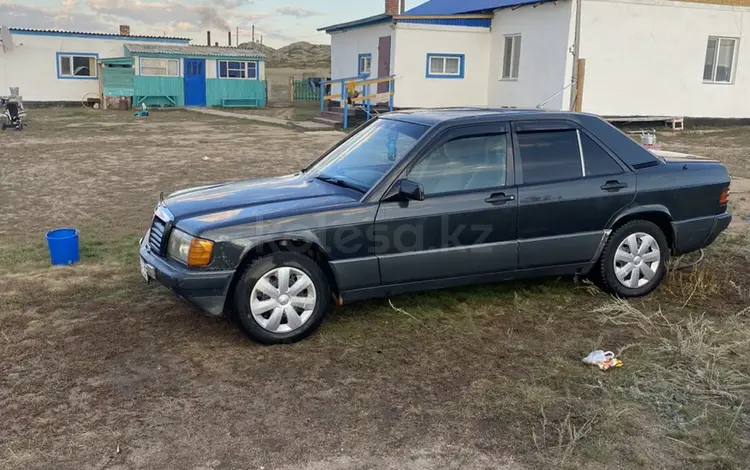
x=432 y=199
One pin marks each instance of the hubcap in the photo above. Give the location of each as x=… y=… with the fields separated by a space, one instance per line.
x=283 y=300
x=637 y=260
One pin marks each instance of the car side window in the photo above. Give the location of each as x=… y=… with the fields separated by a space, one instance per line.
x=463 y=164
x=548 y=156
x=596 y=160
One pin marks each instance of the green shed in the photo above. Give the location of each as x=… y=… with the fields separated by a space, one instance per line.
x=166 y=75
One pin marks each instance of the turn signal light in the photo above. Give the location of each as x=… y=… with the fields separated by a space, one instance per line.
x=724 y=198
x=200 y=252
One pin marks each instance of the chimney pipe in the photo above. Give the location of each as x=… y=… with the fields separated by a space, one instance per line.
x=403 y=6
x=229 y=40
x=124 y=30
x=253 y=40
x=208 y=38
x=391 y=7
x=217 y=44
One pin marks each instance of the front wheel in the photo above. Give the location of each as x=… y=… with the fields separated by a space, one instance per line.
x=282 y=298
x=634 y=261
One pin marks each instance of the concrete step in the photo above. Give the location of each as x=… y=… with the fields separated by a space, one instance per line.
x=326 y=121
x=338 y=117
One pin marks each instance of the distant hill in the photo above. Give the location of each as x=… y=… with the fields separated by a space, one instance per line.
x=294 y=55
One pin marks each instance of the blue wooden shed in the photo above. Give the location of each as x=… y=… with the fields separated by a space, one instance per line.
x=173 y=75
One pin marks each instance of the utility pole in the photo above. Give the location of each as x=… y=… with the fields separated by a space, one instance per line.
x=237 y=36
x=253 y=34
x=576 y=54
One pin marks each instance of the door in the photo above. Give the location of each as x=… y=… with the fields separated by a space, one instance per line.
x=384 y=62
x=569 y=187
x=195 y=82
x=466 y=224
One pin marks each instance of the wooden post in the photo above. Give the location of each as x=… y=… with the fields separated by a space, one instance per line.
x=103 y=102
x=291 y=89
x=580 y=76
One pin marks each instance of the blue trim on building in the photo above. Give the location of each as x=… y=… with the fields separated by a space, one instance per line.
x=461 y=66
x=472 y=22
x=257 y=69
x=361 y=23
x=32 y=32
x=359 y=62
x=76 y=54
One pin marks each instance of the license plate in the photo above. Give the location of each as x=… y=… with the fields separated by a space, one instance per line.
x=144 y=272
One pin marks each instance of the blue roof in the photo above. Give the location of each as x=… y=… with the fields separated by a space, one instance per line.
x=456 y=7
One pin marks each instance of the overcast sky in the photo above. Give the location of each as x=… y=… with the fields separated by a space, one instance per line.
x=279 y=21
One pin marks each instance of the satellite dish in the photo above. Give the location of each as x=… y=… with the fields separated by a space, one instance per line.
x=6 y=38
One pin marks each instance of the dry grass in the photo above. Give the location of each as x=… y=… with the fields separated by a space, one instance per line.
x=489 y=377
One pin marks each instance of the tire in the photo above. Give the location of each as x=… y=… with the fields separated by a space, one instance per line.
x=649 y=262
x=264 y=316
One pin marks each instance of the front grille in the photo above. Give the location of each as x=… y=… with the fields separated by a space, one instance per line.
x=157 y=239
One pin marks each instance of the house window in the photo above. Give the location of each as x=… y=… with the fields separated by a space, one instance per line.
x=365 y=65
x=238 y=70
x=445 y=65
x=511 y=57
x=160 y=67
x=719 y=64
x=80 y=66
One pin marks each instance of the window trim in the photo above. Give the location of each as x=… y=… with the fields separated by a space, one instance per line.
x=554 y=126
x=140 y=67
x=510 y=77
x=58 y=55
x=461 y=65
x=246 y=68
x=360 y=73
x=735 y=57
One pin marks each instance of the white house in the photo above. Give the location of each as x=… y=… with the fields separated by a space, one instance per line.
x=60 y=66
x=637 y=57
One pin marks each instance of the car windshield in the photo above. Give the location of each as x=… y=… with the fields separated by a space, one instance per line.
x=364 y=158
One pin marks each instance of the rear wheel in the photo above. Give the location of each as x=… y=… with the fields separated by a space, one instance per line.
x=634 y=262
x=282 y=298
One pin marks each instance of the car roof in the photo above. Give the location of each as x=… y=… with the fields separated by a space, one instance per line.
x=433 y=116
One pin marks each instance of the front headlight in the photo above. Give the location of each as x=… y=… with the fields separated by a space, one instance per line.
x=189 y=250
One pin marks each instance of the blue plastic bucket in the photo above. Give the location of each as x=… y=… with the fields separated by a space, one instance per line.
x=63 y=246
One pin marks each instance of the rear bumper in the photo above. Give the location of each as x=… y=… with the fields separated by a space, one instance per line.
x=694 y=234
x=206 y=290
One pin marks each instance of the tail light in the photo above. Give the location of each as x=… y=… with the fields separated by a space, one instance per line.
x=724 y=198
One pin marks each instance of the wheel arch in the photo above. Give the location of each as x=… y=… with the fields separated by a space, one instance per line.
x=656 y=214
x=309 y=247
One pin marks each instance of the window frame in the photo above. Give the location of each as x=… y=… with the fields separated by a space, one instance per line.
x=732 y=64
x=166 y=67
x=71 y=56
x=461 y=65
x=554 y=126
x=463 y=132
x=246 y=68
x=516 y=39
x=360 y=73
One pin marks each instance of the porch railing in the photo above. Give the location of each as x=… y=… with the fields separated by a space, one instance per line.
x=349 y=87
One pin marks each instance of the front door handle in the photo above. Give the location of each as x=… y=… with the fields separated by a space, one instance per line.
x=499 y=198
x=613 y=186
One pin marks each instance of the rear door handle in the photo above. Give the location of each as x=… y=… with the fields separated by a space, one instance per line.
x=499 y=198
x=613 y=186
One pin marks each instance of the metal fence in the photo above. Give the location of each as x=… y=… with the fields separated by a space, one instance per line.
x=304 y=90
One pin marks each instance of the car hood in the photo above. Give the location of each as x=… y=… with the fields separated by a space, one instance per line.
x=225 y=204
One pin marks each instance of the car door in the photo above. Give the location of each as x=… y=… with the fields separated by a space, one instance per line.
x=466 y=224
x=569 y=186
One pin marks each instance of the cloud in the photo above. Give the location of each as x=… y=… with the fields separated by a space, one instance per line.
x=296 y=12
x=27 y=16
x=69 y=4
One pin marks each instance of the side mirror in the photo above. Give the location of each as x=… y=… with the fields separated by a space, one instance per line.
x=410 y=190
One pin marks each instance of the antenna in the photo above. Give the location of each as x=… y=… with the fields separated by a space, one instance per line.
x=6 y=38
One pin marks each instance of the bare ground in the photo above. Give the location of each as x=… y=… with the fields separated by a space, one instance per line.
x=98 y=370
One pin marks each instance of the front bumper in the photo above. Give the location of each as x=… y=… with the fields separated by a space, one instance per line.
x=694 y=234
x=206 y=290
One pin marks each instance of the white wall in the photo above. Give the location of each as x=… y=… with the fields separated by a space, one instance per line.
x=545 y=65
x=32 y=65
x=415 y=90
x=646 y=57
x=347 y=45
